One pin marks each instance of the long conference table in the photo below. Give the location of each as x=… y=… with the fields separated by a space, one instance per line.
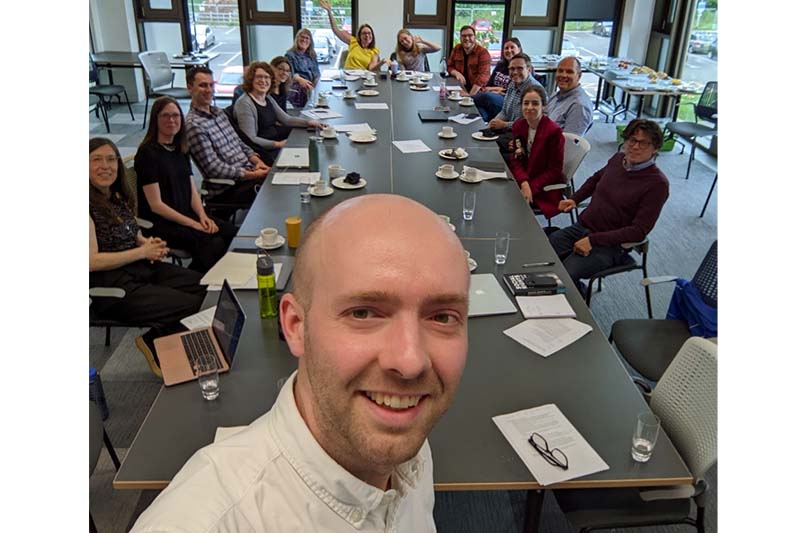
x=586 y=380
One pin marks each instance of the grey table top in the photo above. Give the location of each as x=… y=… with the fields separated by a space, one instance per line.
x=131 y=60
x=586 y=379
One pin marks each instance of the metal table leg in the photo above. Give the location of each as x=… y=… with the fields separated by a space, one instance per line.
x=711 y=190
x=533 y=511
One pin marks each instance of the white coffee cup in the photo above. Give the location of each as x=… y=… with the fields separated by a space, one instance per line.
x=447 y=131
x=320 y=186
x=349 y=92
x=402 y=76
x=336 y=171
x=269 y=236
x=446 y=170
x=466 y=100
x=329 y=131
x=322 y=100
x=454 y=94
x=471 y=174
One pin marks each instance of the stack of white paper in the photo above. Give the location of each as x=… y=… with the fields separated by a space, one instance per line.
x=320 y=114
x=411 y=147
x=381 y=105
x=546 y=336
x=461 y=118
x=545 y=306
x=352 y=127
x=200 y=320
x=238 y=268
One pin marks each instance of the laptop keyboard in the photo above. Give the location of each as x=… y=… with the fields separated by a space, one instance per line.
x=200 y=351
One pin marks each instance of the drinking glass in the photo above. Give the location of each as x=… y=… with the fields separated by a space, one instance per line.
x=469 y=204
x=644 y=436
x=209 y=383
x=318 y=134
x=501 y=241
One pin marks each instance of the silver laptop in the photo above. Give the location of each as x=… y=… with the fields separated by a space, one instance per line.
x=487 y=297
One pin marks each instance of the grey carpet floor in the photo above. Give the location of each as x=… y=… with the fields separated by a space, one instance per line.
x=678 y=243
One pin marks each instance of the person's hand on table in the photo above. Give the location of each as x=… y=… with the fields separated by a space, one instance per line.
x=280 y=144
x=497 y=124
x=304 y=83
x=565 y=206
x=582 y=247
x=459 y=77
x=496 y=90
x=316 y=124
x=526 y=191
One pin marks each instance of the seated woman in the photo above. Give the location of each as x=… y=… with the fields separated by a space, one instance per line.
x=627 y=196
x=361 y=53
x=303 y=60
x=259 y=117
x=537 y=152
x=167 y=194
x=283 y=80
x=411 y=51
x=119 y=256
x=489 y=100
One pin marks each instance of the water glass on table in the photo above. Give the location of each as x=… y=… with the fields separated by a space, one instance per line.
x=644 y=436
x=501 y=242
x=208 y=379
x=469 y=201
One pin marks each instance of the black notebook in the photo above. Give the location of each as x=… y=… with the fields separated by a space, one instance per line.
x=529 y=284
x=429 y=115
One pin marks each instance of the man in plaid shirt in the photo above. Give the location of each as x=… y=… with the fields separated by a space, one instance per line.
x=521 y=71
x=215 y=146
x=470 y=63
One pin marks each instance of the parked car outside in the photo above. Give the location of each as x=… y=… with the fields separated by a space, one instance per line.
x=712 y=51
x=568 y=49
x=495 y=50
x=603 y=29
x=228 y=80
x=700 y=42
x=202 y=37
x=323 y=49
x=482 y=25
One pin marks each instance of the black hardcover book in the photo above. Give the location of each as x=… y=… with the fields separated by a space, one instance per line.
x=530 y=284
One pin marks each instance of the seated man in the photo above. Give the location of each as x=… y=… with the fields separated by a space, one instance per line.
x=470 y=63
x=521 y=71
x=627 y=197
x=215 y=146
x=570 y=107
x=378 y=321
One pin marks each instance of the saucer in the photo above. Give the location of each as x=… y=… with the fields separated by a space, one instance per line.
x=443 y=136
x=368 y=92
x=453 y=176
x=339 y=183
x=455 y=98
x=419 y=87
x=443 y=153
x=479 y=136
x=280 y=242
x=373 y=84
x=313 y=192
x=349 y=97
x=465 y=104
x=472 y=264
x=364 y=139
x=329 y=136
x=463 y=178
x=402 y=79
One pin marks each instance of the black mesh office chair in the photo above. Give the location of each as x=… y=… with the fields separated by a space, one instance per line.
x=106 y=92
x=629 y=263
x=705 y=109
x=97 y=438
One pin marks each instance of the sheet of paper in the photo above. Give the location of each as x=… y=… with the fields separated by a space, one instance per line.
x=461 y=118
x=236 y=267
x=546 y=336
x=453 y=87
x=223 y=433
x=295 y=178
x=381 y=105
x=486 y=175
x=411 y=147
x=545 y=306
x=320 y=114
x=549 y=422
x=250 y=284
x=200 y=320
x=293 y=157
x=352 y=127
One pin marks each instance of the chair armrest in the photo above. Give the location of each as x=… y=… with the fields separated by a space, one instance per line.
x=220 y=181
x=655 y=280
x=667 y=493
x=555 y=187
x=632 y=245
x=144 y=224
x=106 y=292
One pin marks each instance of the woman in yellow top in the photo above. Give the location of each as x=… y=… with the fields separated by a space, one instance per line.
x=362 y=52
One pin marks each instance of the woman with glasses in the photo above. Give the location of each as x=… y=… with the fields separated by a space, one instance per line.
x=411 y=50
x=537 y=152
x=303 y=60
x=489 y=99
x=627 y=196
x=121 y=257
x=259 y=117
x=283 y=80
x=361 y=52
x=167 y=195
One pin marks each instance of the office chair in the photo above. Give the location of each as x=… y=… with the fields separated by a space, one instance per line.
x=686 y=401
x=575 y=150
x=628 y=264
x=97 y=438
x=650 y=345
x=158 y=74
x=106 y=92
x=340 y=61
x=705 y=109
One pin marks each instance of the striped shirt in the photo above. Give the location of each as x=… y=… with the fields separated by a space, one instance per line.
x=215 y=146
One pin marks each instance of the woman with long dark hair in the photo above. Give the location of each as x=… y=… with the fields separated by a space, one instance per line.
x=282 y=83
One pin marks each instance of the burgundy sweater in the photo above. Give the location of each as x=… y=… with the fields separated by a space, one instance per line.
x=625 y=205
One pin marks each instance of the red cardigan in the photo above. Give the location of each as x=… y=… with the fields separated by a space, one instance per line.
x=543 y=166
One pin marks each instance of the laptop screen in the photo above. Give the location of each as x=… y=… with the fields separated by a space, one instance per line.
x=228 y=322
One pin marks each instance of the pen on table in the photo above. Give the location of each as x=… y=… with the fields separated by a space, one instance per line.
x=539 y=264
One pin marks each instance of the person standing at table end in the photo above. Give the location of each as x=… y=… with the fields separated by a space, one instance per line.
x=570 y=107
x=378 y=321
x=469 y=62
x=627 y=196
x=361 y=52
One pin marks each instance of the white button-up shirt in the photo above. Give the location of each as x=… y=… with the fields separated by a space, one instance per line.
x=274 y=476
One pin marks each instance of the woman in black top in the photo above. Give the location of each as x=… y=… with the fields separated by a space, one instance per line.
x=283 y=80
x=119 y=256
x=167 y=194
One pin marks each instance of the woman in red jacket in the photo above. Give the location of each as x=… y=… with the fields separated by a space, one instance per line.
x=537 y=157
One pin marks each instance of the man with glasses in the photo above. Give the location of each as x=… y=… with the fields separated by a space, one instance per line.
x=627 y=197
x=470 y=63
x=521 y=71
x=217 y=149
x=570 y=107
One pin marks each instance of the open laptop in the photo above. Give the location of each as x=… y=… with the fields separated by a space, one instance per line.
x=183 y=355
x=487 y=297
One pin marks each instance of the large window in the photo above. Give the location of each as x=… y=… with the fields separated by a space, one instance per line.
x=214 y=28
x=326 y=44
x=488 y=21
x=700 y=63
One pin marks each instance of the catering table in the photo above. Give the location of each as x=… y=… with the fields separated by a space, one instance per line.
x=585 y=380
x=109 y=60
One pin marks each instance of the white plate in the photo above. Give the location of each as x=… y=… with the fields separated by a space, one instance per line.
x=313 y=192
x=472 y=264
x=358 y=139
x=402 y=79
x=442 y=176
x=472 y=103
x=368 y=92
x=479 y=136
x=417 y=88
x=280 y=242
x=455 y=98
x=367 y=84
x=341 y=184
x=443 y=136
x=442 y=153
x=463 y=178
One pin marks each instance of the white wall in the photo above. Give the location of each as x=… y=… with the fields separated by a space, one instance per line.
x=637 y=19
x=385 y=17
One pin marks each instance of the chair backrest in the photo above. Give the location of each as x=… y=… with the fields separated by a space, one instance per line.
x=705 y=279
x=342 y=58
x=707 y=105
x=131 y=182
x=94 y=75
x=575 y=150
x=156 y=67
x=685 y=399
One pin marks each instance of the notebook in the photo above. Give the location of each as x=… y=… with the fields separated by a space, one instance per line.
x=487 y=297
x=429 y=115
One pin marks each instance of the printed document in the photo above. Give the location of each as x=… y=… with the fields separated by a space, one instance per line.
x=382 y=105
x=238 y=268
x=545 y=306
x=320 y=113
x=546 y=336
x=200 y=320
x=352 y=127
x=461 y=118
x=293 y=157
x=295 y=178
x=549 y=422
x=411 y=147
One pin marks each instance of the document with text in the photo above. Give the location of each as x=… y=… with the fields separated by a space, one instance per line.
x=411 y=147
x=545 y=306
x=546 y=336
x=381 y=105
x=295 y=178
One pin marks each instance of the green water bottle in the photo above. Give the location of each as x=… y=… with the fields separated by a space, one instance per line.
x=267 y=293
x=313 y=155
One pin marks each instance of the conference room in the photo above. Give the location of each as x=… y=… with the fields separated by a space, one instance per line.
x=420 y=133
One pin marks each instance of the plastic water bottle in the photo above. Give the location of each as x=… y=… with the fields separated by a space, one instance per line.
x=442 y=91
x=267 y=293
x=395 y=68
x=96 y=393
